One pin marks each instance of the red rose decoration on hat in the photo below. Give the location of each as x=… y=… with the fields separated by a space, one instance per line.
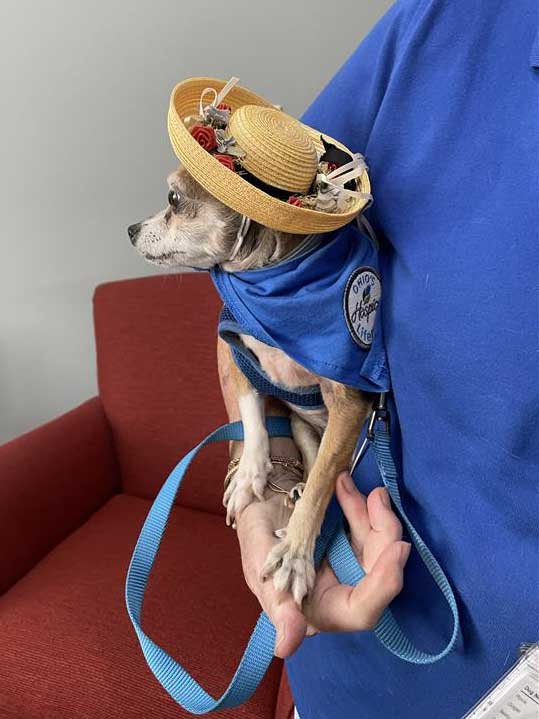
x=293 y=200
x=205 y=136
x=227 y=161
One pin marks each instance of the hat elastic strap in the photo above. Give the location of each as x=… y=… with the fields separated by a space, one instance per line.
x=240 y=236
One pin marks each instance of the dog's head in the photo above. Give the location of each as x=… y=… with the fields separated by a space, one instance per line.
x=197 y=230
x=194 y=230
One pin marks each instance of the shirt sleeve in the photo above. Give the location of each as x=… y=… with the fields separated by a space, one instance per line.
x=347 y=107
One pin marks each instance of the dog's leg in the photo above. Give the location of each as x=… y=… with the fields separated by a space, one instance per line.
x=307 y=441
x=291 y=561
x=250 y=478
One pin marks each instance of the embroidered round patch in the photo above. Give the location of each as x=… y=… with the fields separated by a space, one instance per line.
x=362 y=296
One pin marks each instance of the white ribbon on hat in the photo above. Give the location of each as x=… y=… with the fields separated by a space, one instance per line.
x=341 y=175
x=218 y=97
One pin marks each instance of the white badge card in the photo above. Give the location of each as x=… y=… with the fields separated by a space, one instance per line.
x=516 y=695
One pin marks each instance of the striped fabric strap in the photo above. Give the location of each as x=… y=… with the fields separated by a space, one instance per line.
x=181 y=686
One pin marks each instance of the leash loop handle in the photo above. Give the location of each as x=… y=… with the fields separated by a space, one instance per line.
x=181 y=686
x=348 y=569
x=388 y=630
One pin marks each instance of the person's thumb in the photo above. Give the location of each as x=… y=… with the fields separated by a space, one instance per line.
x=289 y=623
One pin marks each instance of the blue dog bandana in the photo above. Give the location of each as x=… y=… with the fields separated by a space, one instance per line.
x=320 y=307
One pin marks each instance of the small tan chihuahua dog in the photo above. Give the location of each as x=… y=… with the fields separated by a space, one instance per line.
x=197 y=230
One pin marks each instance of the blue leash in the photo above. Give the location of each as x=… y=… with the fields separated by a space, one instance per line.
x=333 y=543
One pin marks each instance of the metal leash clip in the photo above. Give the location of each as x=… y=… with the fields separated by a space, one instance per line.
x=380 y=413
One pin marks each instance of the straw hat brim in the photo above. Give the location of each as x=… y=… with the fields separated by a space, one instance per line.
x=230 y=188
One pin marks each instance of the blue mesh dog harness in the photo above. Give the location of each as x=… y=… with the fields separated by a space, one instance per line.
x=230 y=329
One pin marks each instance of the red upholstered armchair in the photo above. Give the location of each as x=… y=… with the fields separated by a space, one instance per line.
x=73 y=496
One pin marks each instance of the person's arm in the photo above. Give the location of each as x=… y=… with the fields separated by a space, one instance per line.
x=349 y=105
x=376 y=538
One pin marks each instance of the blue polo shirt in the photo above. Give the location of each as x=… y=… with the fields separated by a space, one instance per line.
x=443 y=99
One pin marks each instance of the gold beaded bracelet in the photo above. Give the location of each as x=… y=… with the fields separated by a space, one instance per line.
x=290 y=463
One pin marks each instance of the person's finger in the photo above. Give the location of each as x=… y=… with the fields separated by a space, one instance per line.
x=255 y=533
x=354 y=506
x=286 y=617
x=381 y=516
x=341 y=608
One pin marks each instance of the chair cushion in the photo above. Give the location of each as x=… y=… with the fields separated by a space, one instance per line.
x=157 y=370
x=68 y=648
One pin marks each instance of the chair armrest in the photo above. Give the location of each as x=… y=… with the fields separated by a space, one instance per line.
x=51 y=480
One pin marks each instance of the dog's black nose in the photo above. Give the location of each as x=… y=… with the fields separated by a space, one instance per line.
x=133 y=231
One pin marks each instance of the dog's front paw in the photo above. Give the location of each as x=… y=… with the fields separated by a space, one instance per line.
x=291 y=565
x=249 y=481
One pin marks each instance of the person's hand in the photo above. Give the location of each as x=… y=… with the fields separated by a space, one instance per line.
x=376 y=540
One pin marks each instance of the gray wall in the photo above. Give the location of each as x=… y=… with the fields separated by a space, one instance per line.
x=85 y=152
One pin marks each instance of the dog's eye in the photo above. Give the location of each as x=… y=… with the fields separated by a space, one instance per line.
x=174 y=199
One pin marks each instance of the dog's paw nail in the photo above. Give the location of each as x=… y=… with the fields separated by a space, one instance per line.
x=291 y=568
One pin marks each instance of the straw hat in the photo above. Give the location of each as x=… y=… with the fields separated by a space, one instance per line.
x=263 y=163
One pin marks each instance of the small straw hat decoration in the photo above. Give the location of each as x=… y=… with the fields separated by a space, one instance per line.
x=263 y=163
